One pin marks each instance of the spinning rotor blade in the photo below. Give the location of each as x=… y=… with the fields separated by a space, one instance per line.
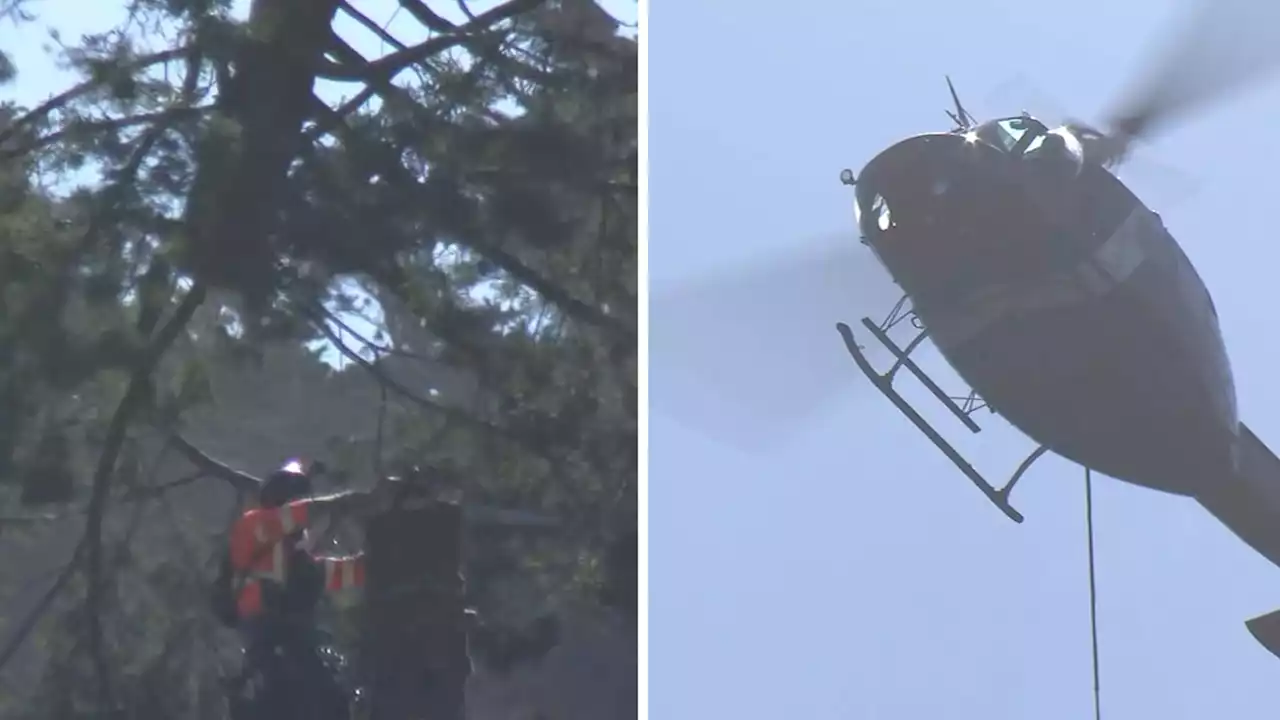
x=1224 y=46
x=746 y=356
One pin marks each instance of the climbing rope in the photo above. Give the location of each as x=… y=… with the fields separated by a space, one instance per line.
x=1093 y=592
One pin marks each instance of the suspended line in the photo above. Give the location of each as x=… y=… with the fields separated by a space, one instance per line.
x=1093 y=592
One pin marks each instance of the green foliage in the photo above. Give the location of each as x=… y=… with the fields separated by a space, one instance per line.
x=486 y=202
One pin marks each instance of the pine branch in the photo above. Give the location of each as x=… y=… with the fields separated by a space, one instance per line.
x=135 y=399
x=551 y=291
x=162 y=116
x=126 y=177
x=65 y=98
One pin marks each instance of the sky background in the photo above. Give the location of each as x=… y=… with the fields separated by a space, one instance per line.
x=838 y=566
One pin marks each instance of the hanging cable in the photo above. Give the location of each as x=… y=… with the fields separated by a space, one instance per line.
x=1093 y=592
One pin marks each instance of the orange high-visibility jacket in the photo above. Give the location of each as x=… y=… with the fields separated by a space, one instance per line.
x=258 y=554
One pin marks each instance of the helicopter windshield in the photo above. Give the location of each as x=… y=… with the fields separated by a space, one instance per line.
x=1006 y=134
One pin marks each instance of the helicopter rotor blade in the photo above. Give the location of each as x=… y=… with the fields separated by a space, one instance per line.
x=748 y=355
x=1223 y=47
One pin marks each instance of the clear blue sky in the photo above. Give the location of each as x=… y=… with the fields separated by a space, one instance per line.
x=845 y=570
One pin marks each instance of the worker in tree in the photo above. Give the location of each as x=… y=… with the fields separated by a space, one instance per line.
x=269 y=588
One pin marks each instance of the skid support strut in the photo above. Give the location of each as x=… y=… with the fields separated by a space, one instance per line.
x=884 y=382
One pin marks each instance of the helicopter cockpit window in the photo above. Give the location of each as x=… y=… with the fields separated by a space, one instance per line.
x=1004 y=134
x=1007 y=133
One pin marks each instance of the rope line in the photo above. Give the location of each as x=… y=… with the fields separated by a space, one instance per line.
x=1093 y=592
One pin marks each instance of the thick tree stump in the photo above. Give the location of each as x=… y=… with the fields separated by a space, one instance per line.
x=415 y=638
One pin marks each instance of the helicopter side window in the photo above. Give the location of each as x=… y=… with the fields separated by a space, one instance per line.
x=872 y=214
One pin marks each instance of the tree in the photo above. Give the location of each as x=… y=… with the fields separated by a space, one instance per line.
x=479 y=188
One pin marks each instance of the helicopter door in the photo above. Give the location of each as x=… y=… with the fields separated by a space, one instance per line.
x=1110 y=201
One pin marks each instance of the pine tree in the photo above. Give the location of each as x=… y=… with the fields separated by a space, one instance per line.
x=479 y=192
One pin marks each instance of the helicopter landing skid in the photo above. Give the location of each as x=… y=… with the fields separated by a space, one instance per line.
x=884 y=382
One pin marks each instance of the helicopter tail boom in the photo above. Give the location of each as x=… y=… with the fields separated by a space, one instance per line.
x=1266 y=630
x=1248 y=501
x=1249 y=504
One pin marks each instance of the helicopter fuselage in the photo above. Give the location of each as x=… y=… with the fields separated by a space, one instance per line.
x=1067 y=305
x=1061 y=299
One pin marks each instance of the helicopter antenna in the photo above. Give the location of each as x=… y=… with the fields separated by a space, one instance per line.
x=960 y=117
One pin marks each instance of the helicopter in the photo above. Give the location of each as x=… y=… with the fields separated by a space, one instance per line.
x=1065 y=304
x=1060 y=298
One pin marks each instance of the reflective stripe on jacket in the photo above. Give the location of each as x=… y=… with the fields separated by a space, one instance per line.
x=258 y=555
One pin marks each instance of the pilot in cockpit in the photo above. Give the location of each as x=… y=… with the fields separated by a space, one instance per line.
x=1053 y=155
x=1002 y=134
x=1046 y=162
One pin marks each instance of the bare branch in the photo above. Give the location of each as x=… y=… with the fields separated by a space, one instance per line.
x=371 y=26
x=390 y=65
x=149 y=492
x=29 y=623
x=320 y=317
x=241 y=481
x=425 y=15
x=377 y=348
